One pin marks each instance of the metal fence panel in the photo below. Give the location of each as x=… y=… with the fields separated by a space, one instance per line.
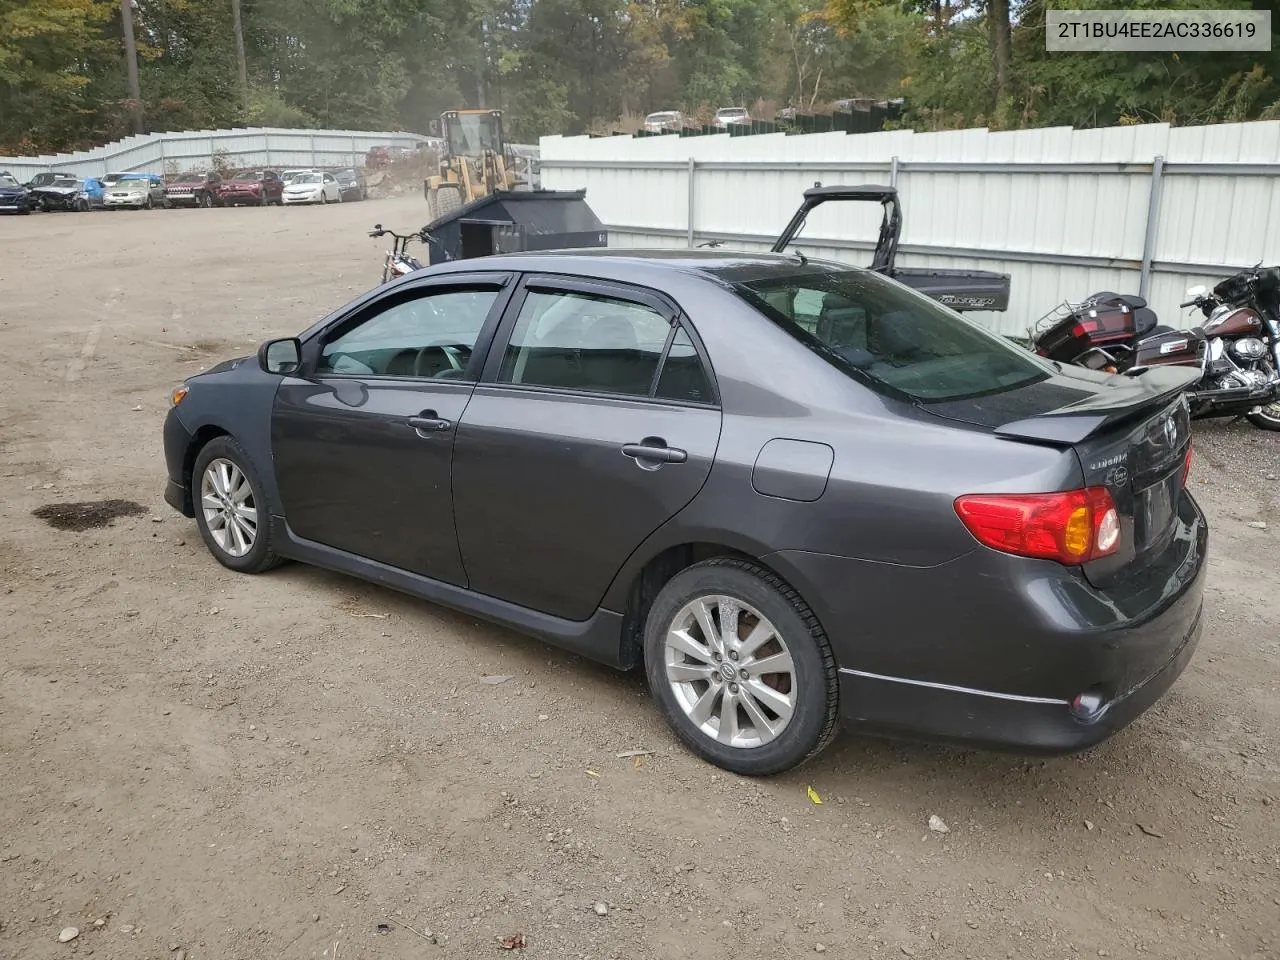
x=195 y=149
x=1065 y=212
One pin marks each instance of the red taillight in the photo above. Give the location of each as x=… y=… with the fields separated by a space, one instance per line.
x=1186 y=466
x=1085 y=326
x=1071 y=527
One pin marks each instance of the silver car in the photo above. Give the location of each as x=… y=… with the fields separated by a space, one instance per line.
x=133 y=191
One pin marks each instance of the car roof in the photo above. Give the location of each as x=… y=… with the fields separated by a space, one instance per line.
x=648 y=264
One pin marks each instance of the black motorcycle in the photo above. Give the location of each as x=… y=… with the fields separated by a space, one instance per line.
x=1237 y=348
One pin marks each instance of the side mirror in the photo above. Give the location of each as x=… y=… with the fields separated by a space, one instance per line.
x=280 y=356
x=1197 y=291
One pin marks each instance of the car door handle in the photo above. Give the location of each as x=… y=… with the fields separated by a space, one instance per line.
x=428 y=422
x=654 y=449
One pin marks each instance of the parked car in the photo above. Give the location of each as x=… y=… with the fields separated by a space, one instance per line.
x=59 y=193
x=727 y=115
x=193 y=190
x=13 y=195
x=793 y=491
x=352 y=184
x=133 y=191
x=312 y=188
x=92 y=194
x=42 y=179
x=664 y=121
x=254 y=186
x=287 y=176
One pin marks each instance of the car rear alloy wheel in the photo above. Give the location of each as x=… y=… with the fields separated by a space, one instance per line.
x=740 y=667
x=730 y=671
x=231 y=513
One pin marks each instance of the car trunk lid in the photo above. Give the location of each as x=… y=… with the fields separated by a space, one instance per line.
x=1131 y=435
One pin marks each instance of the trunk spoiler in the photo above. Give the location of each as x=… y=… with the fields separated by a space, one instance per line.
x=1121 y=398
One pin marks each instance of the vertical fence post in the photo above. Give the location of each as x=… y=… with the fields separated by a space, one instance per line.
x=693 y=164
x=313 y=151
x=1153 y=227
x=893 y=172
x=355 y=162
x=163 y=166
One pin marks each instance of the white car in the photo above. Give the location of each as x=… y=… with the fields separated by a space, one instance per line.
x=663 y=121
x=313 y=188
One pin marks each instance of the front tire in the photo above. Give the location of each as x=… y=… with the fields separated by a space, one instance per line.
x=741 y=668
x=232 y=513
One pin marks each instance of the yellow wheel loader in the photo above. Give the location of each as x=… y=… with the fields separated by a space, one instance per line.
x=474 y=164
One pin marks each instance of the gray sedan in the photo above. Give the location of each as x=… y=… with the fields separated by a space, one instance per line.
x=796 y=494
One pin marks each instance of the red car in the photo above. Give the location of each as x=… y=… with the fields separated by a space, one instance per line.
x=252 y=186
x=194 y=190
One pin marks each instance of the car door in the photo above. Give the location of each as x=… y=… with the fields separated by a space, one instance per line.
x=362 y=439
x=595 y=422
x=330 y=187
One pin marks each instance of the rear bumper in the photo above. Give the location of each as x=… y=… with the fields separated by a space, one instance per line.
x=991 y=650
x=1024 y=724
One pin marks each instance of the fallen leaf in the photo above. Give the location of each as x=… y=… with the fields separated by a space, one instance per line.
x=813 y=795
x=494 y=680
x=637 y=763
x=1149 y=831
x=513 y=942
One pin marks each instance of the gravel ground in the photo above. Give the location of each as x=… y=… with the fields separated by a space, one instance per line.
x=204 y=765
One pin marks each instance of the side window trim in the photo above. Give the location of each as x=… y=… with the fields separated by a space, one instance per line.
x=363 y=310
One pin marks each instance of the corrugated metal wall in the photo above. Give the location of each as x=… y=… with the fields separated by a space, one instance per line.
x=189 y=150
x=1065 y=212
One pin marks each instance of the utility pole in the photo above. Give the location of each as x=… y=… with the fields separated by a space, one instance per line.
x=241 y=66
x=131 y=63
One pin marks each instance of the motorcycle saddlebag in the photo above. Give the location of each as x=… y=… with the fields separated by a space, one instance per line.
x=1171 y=347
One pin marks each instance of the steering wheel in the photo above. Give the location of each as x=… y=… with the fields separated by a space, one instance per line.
x=437 y=360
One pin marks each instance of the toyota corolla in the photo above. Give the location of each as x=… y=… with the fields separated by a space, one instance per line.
x=794 y=493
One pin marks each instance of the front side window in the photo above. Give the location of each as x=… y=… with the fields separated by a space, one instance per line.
x=430 y=334
x=891 y=337
x=585 y=341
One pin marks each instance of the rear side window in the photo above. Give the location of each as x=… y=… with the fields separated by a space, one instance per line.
x=585 y=341
x=597 y=343
x=891 y=337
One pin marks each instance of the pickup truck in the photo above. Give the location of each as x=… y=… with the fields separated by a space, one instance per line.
x=958 y=289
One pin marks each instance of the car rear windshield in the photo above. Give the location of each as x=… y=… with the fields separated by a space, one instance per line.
x=248 y=175
x=892 y=337
x=307 y=178
x=7 y=181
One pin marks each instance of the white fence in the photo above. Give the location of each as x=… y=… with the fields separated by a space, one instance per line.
x=1142 y=209
x=195 y=149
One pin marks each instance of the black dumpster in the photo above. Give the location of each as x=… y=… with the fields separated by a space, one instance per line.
x=511 y=221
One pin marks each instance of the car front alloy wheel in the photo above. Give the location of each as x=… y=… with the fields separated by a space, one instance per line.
x=740 y=667
x=231 y=512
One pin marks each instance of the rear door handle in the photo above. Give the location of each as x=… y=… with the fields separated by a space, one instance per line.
x=654 y=449
x=428 y=422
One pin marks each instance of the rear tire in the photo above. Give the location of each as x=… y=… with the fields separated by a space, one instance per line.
x=1268 y=418
x=781 y=715
x=223 y=509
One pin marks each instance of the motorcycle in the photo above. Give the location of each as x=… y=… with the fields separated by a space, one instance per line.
x=1237 y=348
x=398 y=262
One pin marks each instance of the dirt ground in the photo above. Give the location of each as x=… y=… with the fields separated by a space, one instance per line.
x=201 y=765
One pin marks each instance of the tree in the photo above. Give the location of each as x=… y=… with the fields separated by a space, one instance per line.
x=242 y=68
